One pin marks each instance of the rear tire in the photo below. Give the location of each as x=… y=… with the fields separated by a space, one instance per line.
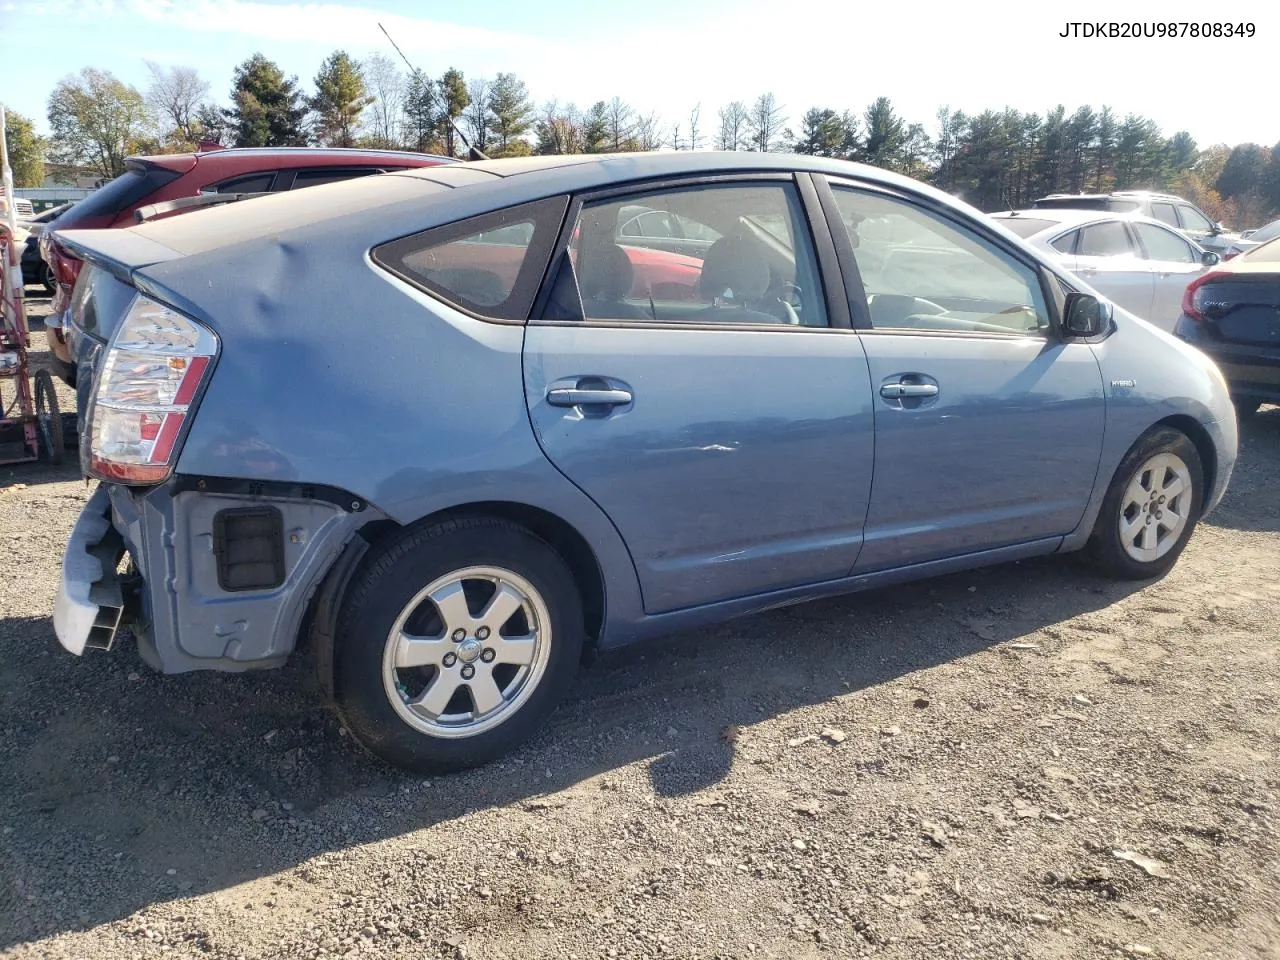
x=454 y=643
x=48 y=417
x=1151 y=507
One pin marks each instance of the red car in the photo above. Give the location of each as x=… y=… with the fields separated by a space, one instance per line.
x=153 y=180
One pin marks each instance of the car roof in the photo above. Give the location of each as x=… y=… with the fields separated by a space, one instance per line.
x=376 y=209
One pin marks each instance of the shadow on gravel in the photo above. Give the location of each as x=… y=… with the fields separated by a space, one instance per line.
x=38 y=472
x=1251 y=503
x=121 y=788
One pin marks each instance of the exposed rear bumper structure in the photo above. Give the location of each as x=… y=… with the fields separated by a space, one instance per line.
x=188 y=601
x=89 y=608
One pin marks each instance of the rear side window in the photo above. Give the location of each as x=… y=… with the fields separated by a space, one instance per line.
x=313 y=178
x=1105 y=240
x=1122 y=206
x=489 y=265
x=124 y=191
x=1067 y=242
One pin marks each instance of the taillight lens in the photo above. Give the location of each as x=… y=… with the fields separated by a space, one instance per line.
x=152 y=371
x=1193 y=298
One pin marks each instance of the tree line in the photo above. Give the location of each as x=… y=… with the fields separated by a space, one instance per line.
x=994 y=159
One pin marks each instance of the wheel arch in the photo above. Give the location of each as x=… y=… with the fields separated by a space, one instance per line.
x=319 y=626
x=1199 y=437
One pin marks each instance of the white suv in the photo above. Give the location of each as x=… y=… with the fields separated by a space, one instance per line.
x=1180 y=214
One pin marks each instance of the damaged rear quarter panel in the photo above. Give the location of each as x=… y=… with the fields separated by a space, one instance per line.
x=333 y=372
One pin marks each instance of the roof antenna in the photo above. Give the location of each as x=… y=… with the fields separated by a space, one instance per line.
x=473 y=153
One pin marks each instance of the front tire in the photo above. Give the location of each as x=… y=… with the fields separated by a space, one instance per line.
x=455 y=643
x=1151 y=508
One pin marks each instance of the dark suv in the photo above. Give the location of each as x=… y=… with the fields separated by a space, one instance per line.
x=148 y=181
x=1182 y=215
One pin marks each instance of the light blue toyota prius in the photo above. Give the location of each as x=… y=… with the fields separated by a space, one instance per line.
x=453 y=427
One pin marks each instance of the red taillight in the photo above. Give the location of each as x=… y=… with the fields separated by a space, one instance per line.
x=155 y=366
x=1229 y=254
x=1191 y=299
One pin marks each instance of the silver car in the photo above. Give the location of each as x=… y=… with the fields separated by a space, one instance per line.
x=1182 y=215
x=1136 y=262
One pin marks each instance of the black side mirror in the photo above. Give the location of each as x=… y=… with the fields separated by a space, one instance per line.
x=1209 y=258
x=1085 y=315
x=1219 y=228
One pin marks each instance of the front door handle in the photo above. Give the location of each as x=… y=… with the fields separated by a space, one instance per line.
x=898 y=391
x=577 y=397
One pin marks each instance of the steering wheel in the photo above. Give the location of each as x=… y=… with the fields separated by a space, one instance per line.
x=788 y=296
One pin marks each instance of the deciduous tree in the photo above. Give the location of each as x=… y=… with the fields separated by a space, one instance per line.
x=97 y=120
x=26 y=150
x=176 y=95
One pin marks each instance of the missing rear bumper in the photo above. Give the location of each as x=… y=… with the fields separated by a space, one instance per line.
x=91 y=605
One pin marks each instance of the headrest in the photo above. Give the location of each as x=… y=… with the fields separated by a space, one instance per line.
x=734 y=269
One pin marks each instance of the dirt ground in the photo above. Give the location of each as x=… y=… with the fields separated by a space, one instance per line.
x=1026 y=761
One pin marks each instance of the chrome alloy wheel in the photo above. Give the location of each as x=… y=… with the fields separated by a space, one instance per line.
x=467 y=652
x=1155 y=507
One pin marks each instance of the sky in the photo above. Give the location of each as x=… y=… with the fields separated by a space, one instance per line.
x=669 y=55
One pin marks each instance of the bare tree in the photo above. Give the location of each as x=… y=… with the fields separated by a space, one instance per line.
x=648 y=132
x=176 y=94
x=695 y=139
x=733 y=126
x=764 y=123
x=559 y=129
x=621 y=124
x=477 y=115
x=676 y=142
x=385 y=84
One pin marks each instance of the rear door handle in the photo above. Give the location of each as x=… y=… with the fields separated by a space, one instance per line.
x=577 y=397
x=896 y=391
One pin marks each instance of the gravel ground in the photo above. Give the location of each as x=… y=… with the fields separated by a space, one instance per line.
x=1025 y=761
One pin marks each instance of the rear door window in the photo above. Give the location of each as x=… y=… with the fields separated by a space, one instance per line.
x=489 y=265
x=1109 y=239
x=1161 y=244
x=1164 y=213
x=1192 y=219
x=760 y=268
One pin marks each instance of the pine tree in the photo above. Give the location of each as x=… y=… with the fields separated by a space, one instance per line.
x=339 y=101
x=267 y=109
